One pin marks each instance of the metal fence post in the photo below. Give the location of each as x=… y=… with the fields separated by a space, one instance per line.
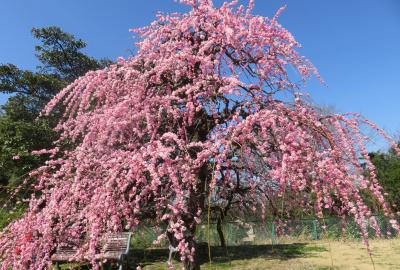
x=229 y=237
x=315 y=230
x=273 y=233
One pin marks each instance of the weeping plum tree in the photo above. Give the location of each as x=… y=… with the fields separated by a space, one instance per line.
x=191 y=122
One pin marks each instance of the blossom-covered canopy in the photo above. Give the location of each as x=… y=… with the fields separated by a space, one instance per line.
x=194 y=118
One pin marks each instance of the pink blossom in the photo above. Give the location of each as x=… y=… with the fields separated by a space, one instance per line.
x=159 y=136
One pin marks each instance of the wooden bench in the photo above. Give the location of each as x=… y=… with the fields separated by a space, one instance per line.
x=115 y=249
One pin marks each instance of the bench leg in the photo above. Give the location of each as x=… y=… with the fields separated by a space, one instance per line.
x=123 y=263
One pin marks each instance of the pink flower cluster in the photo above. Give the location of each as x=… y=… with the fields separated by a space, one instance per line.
x=191 y=119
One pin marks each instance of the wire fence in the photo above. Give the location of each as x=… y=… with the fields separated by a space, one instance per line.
x=238 y=232
x=269 y=232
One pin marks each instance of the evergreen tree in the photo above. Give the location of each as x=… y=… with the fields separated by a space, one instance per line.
x=62 y=61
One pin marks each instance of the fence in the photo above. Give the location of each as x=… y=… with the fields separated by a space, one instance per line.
x=268 y=232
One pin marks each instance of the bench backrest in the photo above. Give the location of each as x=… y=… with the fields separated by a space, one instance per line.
x=114 y=247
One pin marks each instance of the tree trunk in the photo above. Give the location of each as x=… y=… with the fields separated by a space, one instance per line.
x=221 y=233
x=195 y=264
x=188 y=265
x=196 y=202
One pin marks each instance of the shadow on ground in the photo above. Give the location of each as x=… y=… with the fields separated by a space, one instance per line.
x=145 y=257
x=280 y=251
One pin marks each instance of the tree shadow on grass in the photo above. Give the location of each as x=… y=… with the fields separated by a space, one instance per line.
x=151 y=256
x=244 y=252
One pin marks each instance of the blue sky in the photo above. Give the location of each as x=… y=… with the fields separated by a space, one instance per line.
x=355 y=44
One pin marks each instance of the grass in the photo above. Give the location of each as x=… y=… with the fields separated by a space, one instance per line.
x=319 y=255
x=315 y=255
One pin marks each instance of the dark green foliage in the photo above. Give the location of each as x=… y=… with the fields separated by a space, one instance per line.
x=39 y=86
x=6 y=216
x=60 y=54
x=388 y=169
x=62 y=61
x=18 y=138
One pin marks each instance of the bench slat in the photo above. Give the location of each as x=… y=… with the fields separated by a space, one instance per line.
x=115 y=246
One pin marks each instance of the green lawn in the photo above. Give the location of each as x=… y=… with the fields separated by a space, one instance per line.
x=316 y=255
x=319 y=255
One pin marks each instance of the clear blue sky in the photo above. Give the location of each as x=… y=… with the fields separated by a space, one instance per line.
x=355 y=44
